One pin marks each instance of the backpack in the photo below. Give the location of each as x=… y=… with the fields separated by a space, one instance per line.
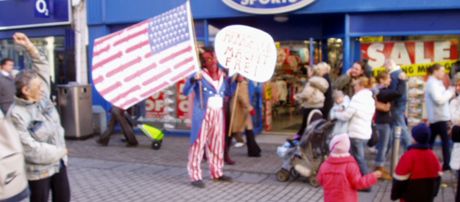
x=13 y=180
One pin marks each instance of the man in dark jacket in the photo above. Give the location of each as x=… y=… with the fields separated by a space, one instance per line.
x=398 y=106
x=118 y=116
x=328 y=102
x=7 y=87
x=343 y=83
x=384 y=96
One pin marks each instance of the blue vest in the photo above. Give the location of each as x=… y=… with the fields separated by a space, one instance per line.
x=208 y=91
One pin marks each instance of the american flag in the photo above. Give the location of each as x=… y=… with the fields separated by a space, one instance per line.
x=133 y=64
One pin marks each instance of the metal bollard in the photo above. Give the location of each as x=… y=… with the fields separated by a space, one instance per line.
x=395 y=149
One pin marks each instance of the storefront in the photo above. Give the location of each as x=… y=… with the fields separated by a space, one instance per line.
x=48 y=24
x=307 y=32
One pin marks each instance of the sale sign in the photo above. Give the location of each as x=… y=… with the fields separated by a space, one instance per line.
x=155 y=106
x=409 y=52
x=247 y=51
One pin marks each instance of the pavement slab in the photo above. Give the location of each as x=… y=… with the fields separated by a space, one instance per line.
x=120 y=173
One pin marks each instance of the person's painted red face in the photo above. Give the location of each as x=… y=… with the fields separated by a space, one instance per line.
x=210 y=62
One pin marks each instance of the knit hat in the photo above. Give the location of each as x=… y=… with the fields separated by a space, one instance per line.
x=340 y=145
x=421 y=133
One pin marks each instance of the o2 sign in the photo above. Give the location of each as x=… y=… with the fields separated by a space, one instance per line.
x=267 y=6
x=43 y=8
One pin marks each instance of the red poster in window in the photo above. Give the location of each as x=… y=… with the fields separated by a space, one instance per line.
x=155 y=106
x=182 y=102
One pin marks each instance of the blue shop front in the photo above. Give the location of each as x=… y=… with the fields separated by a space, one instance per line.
x=414 y=33
x=48 y=24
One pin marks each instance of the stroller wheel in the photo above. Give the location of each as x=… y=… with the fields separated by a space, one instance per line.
x=294 y=173
x=313 y=182
x=282 y=175
x=156 y=144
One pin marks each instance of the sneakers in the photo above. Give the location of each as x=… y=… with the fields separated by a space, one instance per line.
x=239 y=144
x=365 y=190
x=373 y=150
x=229 y=161
x=102 y=141
x=446 y=168
x=198 y=184
x=224 y=178
x=385 y=173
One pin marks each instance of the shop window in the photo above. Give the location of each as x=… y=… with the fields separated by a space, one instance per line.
x=335 y=55
x=62 y=66
x=414 y=54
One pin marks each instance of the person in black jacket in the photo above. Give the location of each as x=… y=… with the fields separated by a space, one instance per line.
x=329 y=101
x=384 y=96
x=118 y=116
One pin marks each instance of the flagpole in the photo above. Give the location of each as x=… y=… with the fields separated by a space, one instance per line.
x=200 y=83
x=233 y=104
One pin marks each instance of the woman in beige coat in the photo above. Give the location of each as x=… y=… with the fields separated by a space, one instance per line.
x=242 y=121
x=312 y=96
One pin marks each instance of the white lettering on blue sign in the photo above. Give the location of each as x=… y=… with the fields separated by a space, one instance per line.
x=41 y=6
x=267 y=6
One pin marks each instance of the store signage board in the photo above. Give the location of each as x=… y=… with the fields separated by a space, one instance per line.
x=34 y=13
x=248 y=51
x=43 y=8
x=413 y=56
x=267 y=6
x=410 y=52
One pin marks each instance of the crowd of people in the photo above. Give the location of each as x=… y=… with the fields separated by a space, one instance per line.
x=382 y=104
x=222 y=110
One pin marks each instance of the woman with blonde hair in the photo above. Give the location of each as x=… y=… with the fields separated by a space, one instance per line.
x=359 y=115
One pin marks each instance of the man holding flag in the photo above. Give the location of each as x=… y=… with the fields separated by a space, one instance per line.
x=208 y=120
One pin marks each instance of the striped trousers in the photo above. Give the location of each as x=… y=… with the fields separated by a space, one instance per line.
x=211 y=140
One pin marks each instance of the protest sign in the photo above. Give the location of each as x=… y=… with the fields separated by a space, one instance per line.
x=246 y=51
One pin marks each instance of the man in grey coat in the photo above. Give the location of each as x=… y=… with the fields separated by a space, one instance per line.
x=7 y=87
x=39 y=128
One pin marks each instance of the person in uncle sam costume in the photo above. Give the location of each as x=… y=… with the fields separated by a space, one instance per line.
x=207 y=132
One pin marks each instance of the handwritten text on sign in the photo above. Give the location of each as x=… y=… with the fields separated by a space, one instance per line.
x=247 y=51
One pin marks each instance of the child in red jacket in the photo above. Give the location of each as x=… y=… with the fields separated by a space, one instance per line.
x=339 y=175
x=417 y=175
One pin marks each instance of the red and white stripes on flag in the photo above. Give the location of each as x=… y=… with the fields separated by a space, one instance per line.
x=133 y=64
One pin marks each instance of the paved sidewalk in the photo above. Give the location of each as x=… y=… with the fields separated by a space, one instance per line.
x=118 y=173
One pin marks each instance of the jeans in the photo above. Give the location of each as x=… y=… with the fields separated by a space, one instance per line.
x=398 y=120
x=384 y=131
x=357 y=151
x=440 y=128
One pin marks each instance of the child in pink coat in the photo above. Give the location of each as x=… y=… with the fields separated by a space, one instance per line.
x=339 y=175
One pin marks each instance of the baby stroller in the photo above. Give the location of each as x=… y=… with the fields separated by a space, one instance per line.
x=304 y=157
